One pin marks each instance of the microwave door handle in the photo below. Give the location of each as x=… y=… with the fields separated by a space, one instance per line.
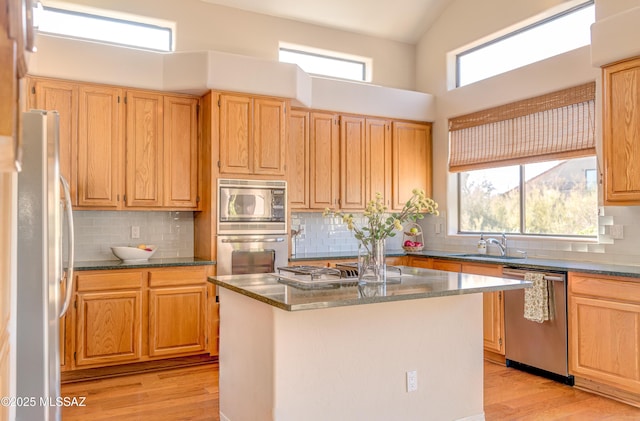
x=253 y=240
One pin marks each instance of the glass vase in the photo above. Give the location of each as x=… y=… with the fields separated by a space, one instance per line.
x=371 y=262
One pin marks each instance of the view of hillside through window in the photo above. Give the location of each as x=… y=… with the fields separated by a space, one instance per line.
x=547 y=198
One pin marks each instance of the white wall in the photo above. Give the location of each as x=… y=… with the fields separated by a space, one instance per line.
x=465 y=22
x=204 y=26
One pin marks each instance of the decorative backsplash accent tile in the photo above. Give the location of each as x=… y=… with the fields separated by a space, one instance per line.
x=97 y=231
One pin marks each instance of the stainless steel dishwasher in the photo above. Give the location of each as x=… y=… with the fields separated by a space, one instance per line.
x=539 y=348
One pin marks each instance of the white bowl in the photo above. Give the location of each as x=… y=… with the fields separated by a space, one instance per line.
x=129 y=254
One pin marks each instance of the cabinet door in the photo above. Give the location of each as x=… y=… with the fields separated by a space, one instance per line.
x=144 y=149
x=108 y=327
x=604 y=332
x=100 y=163
x=493 y=321
x=411 y=155
x=236 y=145
x=269 y=136
x=177 y=320
x=421 y=262
x=352 y=162
x=180 y=152
x=298 y=159
x=446 y=266
x=378 y=160
x=45 y=94
x=621 y=133
x=492 y=309
x=324 y=160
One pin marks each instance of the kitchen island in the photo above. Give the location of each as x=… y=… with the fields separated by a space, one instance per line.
x=344 y=351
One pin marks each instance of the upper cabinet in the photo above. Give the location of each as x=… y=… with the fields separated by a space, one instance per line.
x=100 y=135
x=324 y=160
x=621 y=133
x=252 y=135
x=298 y=159
x=411 y=160
x=353 y=158
x=124 y=149
x=62 y=97
x=353 y=146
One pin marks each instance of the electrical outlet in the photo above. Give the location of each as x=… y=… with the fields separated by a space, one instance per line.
x=135 y=231
x=412 y=381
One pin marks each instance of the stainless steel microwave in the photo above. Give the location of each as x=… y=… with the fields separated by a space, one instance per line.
x=252 y=206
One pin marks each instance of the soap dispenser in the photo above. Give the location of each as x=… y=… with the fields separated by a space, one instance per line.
x=482 y=245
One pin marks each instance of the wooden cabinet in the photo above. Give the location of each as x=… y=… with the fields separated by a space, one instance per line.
x=324 y=161
x=353 y=146
x=135 y=315
x=181 y=152
x=177 y=312
x=144 y=149
x=298 y=159
x=252 y=135
x=122 y=149
x=621 y=132
x=604 y=335
x=378 y=160
x=411 y=160
x=100 y=136
x=49 y=94
x=108 y=318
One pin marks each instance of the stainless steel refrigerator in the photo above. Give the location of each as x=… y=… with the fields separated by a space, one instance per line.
x=40 y=270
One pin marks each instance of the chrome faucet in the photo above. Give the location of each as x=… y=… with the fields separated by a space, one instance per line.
x=502 y=244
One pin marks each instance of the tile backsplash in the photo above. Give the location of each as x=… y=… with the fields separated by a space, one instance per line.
x=328 y=234
x=97 y=231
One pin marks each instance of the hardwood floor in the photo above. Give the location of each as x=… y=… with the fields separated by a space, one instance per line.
x=191 y=394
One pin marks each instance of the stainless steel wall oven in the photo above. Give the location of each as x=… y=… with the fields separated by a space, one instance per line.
x=252 y=226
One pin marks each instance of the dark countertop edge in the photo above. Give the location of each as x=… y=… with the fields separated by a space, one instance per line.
x=546 y=264
x=151 y=263
x=628 y=271
x=360 y=301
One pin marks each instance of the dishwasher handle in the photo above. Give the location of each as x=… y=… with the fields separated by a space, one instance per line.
x=519 y=274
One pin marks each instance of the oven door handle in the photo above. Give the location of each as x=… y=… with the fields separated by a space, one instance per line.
x=253 y=240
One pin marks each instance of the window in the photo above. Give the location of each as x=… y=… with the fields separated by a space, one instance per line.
x=528 y=167
x=105 y=29
x=326 y=63
x=549 y=37
x=545 y=198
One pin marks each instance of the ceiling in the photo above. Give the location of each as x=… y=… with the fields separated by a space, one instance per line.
x=397 y=20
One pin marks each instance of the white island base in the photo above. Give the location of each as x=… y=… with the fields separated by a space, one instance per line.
x=351 y=363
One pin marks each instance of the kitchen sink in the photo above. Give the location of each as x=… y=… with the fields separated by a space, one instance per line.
x=488 y=256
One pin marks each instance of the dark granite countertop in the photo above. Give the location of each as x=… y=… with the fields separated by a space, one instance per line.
x=416 y=283
x=546 y=264
x=631 y=271
x=151 y=263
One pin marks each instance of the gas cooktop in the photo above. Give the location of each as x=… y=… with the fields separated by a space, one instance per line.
x=344 y=274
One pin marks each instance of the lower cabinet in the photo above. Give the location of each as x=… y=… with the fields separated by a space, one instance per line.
x=604 y=335
x=493 y=302
x=177 y=313
x=129 y=315
x=108 y=318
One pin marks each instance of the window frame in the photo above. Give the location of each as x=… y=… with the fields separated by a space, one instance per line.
x=506 y=36
x=331 y=55
x=522 y=207
x=163 y=26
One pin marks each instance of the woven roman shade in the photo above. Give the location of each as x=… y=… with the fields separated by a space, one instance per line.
x=554 y=126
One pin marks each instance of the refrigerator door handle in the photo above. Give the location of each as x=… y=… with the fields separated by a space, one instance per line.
x=68 y=291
